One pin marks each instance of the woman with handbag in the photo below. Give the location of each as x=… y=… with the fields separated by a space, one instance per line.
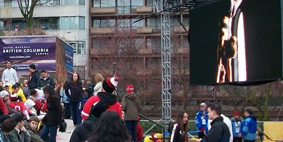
x=53 y=118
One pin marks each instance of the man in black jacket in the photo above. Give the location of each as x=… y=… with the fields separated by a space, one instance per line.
x=33 y=77
x=219 y=131
x=45 y=79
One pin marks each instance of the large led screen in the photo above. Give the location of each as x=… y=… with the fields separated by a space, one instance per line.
x=236 y=41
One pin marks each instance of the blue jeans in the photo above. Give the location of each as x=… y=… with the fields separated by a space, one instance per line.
x=132 y=129
x=76 y=112
x=49 y=133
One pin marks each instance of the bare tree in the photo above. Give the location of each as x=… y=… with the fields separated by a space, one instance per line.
x=27 y=9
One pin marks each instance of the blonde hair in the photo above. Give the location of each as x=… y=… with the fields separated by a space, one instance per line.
x=98 y=78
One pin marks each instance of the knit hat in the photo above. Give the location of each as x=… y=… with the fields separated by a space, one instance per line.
x=110 y=83
x=98 y=108
x=130 y=88
x=13 y=97
x=237 y=112
x=29 y=104
x=4 y=93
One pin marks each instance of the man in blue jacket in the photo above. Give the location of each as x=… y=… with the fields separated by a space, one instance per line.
x=201 y=120
x=249 y=127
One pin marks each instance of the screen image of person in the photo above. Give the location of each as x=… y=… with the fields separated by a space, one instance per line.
x=234 y=41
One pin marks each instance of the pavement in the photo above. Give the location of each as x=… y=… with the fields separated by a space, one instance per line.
x=65 y=137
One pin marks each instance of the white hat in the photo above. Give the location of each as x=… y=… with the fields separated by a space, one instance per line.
x=203 y=104
x=29 y=103
x=4 y=93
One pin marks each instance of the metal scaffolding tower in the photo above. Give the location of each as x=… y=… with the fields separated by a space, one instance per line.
x=166 y=51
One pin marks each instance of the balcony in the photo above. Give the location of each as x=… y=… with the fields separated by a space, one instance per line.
x=180 y=29
x=144 y=9
x=101 y=51
x=103 y=10
x=182 y=50
x=145 y=51
x=102 y=30
x=144 y=30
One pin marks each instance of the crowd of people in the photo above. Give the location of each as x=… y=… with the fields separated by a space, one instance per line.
x=35 y=114
x=97 y=115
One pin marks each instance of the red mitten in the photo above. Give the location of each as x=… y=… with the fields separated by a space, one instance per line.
x=202 y=129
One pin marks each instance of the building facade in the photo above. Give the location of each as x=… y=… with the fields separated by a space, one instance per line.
x=67 y=19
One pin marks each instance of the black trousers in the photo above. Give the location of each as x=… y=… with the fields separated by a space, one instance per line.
x=249 y=140
x=201 y=134
x=237 y=139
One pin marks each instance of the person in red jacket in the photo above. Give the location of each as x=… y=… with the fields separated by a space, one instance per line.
x=3 y=107
x=139 y=131
x=108 y=86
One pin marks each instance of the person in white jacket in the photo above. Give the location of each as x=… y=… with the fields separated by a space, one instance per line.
x=228 y=122
x=98 y=80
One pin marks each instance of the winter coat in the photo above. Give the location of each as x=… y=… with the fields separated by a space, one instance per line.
x=90 y=90
x=237 y=125
x=219 y=131
x=80 y=134
x=32 y=84
x=48 y=81
x=3 y=107
x=76 y=90
x=3 y=138
x=54 y=113
x=201 y=121
x=249 y=128
x=139 y=131
x=108 y=98
x=33 y=134
x=16 y=136
x=176 y=134
x=131 y=107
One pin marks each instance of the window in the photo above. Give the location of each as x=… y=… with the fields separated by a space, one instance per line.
x=82 y=23
x=124 y=6
x=81 y=2
x=72 y=23
x=69 y=2
x=103 y=23
x=137 y=24
x=79 y=47
x=154 y=22
x=104 y=3
x=50 y=23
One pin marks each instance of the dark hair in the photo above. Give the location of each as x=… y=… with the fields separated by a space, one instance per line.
x=8 y=125
x=34 y=118
x=50 y=90
x=32 y=92
x=216 y=107
x=32 y=66
x=15 y=86
x=249 y=111
x=109 y=128
x=9 y=61
x=184 y=127
x=1 y=88
x=72 y=80
x=43 y=71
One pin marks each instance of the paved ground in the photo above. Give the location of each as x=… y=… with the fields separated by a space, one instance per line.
x=65 y=137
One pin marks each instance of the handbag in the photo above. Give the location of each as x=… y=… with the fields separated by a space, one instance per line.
x=63 y=126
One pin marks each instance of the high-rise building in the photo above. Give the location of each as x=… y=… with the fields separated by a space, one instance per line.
x=67 y=19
